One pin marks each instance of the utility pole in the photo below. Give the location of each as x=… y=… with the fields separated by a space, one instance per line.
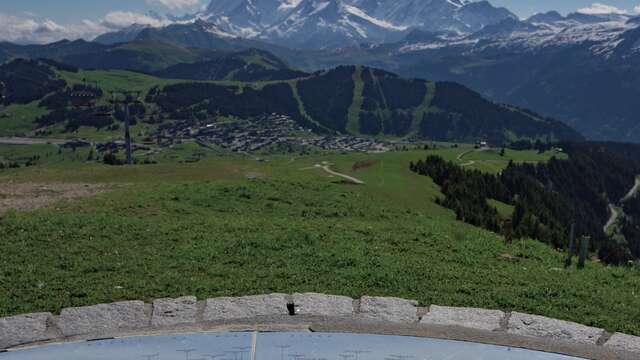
x=584 y=249
x=572 y=235
x=3 y=93
x=126 y=98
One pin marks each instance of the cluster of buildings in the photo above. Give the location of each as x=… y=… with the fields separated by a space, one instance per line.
x=346 y=143
x=269 y=131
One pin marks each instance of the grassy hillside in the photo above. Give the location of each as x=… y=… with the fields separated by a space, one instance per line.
x=233 y=226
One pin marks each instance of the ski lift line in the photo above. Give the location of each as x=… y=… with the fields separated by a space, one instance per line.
x=3 y=89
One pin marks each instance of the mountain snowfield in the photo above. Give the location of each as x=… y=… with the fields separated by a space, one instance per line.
x=601 y=34
x=322 y=24
x=335 y=23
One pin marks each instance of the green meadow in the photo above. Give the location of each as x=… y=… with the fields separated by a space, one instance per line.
x=231 y=225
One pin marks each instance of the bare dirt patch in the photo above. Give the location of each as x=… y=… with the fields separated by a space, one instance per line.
x=363 y=164
x=31 y=196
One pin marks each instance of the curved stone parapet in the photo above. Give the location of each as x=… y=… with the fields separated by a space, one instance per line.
x=321 y=312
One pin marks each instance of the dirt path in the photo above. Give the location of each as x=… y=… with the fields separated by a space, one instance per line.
x=613 y=219
x=470 y=162
x=461 y=155
x=325 y=166
x=350 y=178
x=30 y=196
x=633 y=190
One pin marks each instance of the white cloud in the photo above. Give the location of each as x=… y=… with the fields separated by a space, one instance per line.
x=22 y=29
x=28 y=28
x=176 y=4
x=122 y=19
x=637 y=9
x=598 y=9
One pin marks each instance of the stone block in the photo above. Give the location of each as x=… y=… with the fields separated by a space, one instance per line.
x=323 y=305
x=169 y=312
x=624 y=342
x=103 y=319
x=227 y=308
x=559 y=330
x=23 y=329
x=471 y=318
x=389 y=309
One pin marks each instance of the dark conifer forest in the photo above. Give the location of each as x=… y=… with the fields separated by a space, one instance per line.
x=549 y=197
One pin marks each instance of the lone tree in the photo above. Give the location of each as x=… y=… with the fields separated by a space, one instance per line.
x=507 y=230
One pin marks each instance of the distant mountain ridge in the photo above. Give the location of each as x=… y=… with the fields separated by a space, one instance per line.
x=248 y=65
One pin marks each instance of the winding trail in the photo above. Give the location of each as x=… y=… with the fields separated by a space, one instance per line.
x=612 y=219
x=470 y=162
x=633 y=190
x=615 y=210
x=463 y=154
x=326 y=168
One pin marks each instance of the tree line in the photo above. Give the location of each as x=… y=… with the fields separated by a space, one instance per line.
x=549 y=197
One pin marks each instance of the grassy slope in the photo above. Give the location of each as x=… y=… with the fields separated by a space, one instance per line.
x=353 y=123
x=204 y=229
x=20 y=118
x=420 y=111
x=116 y=80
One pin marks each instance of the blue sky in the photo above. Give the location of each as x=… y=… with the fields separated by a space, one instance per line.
x=526 y=8
x=75 y=10
x=50 y=20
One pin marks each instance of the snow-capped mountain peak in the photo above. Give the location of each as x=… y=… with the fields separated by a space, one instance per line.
x=339 y=23
x=329 y=23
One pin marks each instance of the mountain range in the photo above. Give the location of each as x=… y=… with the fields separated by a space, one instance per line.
x=582 y=69
x=334 y=23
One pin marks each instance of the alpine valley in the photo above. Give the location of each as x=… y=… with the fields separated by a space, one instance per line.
x=444 y=151
x=581 y=69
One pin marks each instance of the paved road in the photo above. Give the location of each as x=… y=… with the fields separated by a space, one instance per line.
x=30 y=141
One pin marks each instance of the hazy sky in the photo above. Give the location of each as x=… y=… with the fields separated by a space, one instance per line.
x=51 y=20
x=525 y=8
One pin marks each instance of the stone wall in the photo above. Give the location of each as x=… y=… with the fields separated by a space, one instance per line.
x=332 y=312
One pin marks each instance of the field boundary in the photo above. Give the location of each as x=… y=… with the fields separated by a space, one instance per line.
x=315 y=312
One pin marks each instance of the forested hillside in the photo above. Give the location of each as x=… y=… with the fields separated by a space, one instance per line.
x=346 y=100
x=365 y=101
x=249 y=65
x=28 y=80
x=148 y=56
x=549 y=197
